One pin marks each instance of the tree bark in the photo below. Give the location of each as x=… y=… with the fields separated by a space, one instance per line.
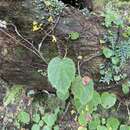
x=18 y=65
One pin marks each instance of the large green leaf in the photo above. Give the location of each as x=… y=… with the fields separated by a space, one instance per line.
x=61 y=72
x=96 y=100
x=87 y=94
x=82 y=92
x=77 y=87
x=108 y=100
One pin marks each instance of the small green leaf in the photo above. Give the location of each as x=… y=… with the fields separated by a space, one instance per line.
x=82 y=119
x=113 y=123
x=115 y=60
x=107 y=52
x=125 y=88
x=56 y=127
x=101 y=128
x=50 y=119
x=61 y=72
x=46 y=128
x=94 y=123
x=41 y=123
x=108 y=100
x=103 y=121
x=35 y=127
x=117 y=77
x=74 y=35
x=124 y=127
x=36 y=117
x=17 y=124
x=23 y=117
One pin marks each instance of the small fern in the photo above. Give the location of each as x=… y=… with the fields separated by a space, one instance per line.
x=124 y=52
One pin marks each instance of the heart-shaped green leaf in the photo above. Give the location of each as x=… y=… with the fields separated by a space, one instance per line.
x=108 y=100
x=61 y=72
x=82 y=93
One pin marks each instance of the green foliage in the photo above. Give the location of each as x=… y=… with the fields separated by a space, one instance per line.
x=124 y=51
x=112 y=16
x=13 y=95
x=101 y=128
x=46 y=128
x=126 y=87
x=82 y=119
x=108 y=100
x=62 y=96
x=41 y=123
x=117 y=56
x=124 y=127
x=56 y=127
x=23 y=117
x=74 y=35
x=35 y=127
x=91 y=106
x=94 y=123
x=116 y=50
x=50 y=118
x=36 y=118
x=61 y=72
x=55 y=5
x=112 y=123
x=115 y=60
x=82 y=93
x=107 y=52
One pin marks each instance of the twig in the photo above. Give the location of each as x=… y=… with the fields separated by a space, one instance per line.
x=90 y=58
x=66 y=51
x=79 y=68
x=51 y=30
x=66 y=110
x=18 y=41
x=36 y=50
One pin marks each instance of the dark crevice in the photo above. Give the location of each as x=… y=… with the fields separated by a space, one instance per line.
x=80 y=4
